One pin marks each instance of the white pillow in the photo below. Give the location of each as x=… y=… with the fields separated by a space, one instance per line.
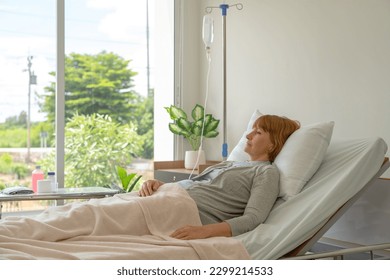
x=300 y=157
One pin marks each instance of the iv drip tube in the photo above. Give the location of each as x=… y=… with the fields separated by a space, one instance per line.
x=224 y=8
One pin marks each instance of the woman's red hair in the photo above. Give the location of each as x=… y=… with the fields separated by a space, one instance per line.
x=279 y=129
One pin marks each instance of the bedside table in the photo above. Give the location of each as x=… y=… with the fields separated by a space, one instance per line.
x=173 y=171
x=61 y=194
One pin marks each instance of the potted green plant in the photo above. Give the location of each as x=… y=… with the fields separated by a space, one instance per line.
x=192 y=130
x=127 y=178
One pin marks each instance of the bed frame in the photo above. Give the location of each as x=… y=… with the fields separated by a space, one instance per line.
x=300 y=251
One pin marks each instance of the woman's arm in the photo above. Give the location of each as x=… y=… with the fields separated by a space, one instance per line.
x=149 y=187
x=200 y=232
x=264 y=192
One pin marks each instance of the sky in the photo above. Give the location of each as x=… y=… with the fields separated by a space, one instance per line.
x=28 y=28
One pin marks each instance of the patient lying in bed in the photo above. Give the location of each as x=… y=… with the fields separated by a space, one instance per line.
x=231 y=197
x=227 y=199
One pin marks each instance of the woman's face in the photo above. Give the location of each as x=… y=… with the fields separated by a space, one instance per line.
x=258 y=144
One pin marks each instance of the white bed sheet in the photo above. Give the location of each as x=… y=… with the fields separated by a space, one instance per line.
x=347 y=167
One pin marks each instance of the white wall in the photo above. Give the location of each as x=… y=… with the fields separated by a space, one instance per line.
x=311 y=60
x=187 y=78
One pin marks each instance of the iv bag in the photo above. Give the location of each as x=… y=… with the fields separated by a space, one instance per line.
x=208 y=30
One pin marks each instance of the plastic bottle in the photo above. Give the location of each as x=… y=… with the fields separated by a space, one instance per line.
x=37 y=174
x=51 y=175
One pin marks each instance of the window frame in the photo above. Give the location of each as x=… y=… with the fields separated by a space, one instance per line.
x=60 y=94
x=175 y=144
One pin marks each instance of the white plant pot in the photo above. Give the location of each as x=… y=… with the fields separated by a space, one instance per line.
x=191 y=159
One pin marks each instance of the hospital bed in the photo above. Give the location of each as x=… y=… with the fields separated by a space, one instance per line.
x=302 y=252
x=338 y=175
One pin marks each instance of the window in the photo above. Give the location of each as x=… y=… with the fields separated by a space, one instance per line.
x=109 y=80
x=108 y=89
x=27 y=55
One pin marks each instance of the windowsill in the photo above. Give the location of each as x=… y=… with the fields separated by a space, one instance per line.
x=29 y=213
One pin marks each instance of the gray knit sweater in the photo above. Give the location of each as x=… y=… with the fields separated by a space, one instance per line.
x=240 y=195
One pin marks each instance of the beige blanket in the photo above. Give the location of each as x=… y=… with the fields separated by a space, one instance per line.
x=121 y=227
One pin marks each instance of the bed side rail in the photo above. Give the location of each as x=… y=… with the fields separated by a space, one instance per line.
x=382 y=249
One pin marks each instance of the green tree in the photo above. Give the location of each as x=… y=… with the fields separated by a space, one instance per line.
x=95 y=145
x=95 y=84
x=17 y=121
x=102 y=84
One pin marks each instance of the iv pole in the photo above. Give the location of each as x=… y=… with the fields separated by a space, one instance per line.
x=224 y=8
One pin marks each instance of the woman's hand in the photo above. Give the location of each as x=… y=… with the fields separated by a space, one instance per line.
x=149 y=187
x=200 y=232
x=190 y=232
